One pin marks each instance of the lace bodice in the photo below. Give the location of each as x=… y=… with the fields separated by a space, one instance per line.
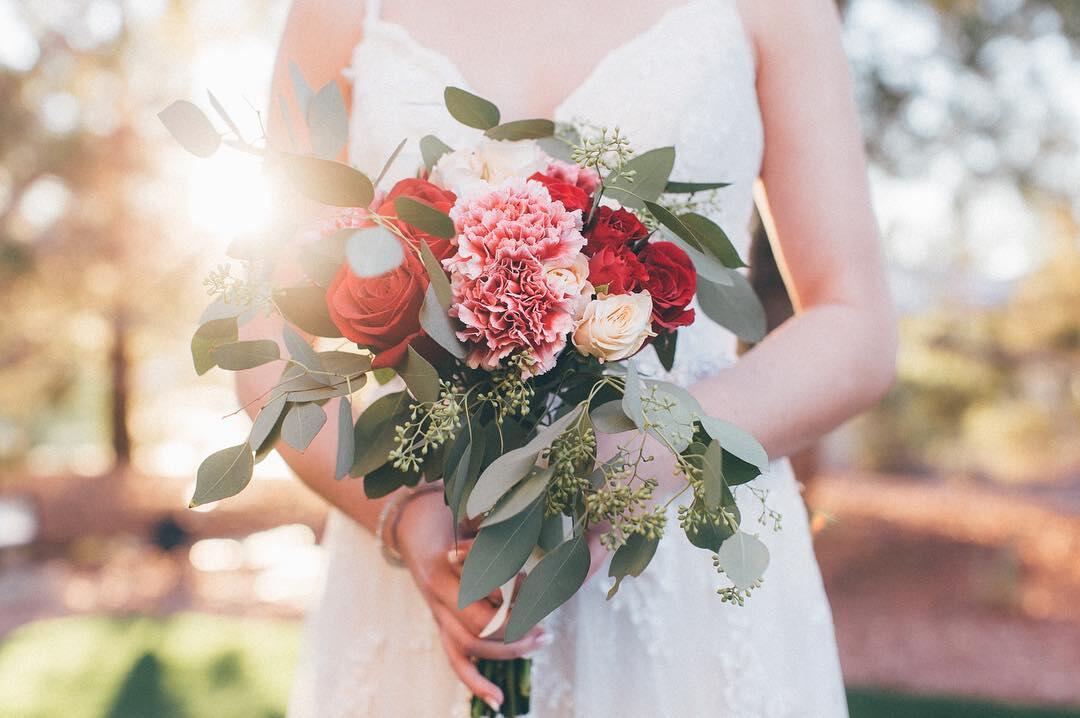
x=665 y=646
x=687 y=81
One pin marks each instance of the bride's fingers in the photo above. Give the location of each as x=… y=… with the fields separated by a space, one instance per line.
x=472 y=678
x=482 y=648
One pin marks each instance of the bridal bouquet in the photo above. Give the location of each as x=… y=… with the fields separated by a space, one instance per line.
x=509 y=285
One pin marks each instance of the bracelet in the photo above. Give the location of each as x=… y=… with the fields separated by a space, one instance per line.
x=389 y=518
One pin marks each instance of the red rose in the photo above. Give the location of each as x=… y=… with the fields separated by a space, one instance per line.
x=571 y=196
x=428 y=193
x=618 y=268
x=382 y=313
x=672 y=282
x=613 y=227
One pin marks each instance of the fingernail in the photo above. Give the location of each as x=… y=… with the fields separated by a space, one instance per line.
x=544 y=639
x=453 y=555
x=492 y=703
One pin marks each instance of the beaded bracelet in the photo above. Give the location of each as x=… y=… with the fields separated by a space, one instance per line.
x=389 y=518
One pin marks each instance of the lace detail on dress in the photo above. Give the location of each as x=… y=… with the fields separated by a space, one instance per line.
x=664 y=646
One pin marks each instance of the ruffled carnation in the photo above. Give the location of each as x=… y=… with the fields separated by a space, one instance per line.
x=517 y=220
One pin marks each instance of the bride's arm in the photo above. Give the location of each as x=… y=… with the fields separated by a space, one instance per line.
x=836 y=356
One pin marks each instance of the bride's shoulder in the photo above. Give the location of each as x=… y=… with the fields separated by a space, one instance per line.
x=325 y=22
x=773 y=25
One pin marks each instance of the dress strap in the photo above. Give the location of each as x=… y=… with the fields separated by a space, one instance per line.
x=371 y=11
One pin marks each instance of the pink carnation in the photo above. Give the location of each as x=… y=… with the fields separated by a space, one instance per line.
x=507 y=291
x=586 y=178
x=513 y=307
x=517 y=220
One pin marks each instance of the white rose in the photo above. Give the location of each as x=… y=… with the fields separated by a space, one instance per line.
x=572 y=281
x=614 y=327
x=472 y=170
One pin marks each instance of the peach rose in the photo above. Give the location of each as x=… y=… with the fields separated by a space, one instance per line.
x=614 y=327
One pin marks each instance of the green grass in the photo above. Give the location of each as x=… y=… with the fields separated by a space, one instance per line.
x=191 y=666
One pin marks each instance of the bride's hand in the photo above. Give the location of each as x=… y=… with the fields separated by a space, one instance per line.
x=425 y=538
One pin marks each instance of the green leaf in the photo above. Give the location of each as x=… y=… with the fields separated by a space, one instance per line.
x=631 y=401
x=300 y=351
x=691 y=187
x=557 y=147
x=737 y=471
x=302 y=424
x=436 y=321
x=468 y=469
x=375 y=432
x=301 y=89
x=551 y=533
x=346 y=447
x=345 y=364
x=327 y=181
x=437 y=276
x=498 y=553
x=650 y=174
x=522 y=130
x=609 y=418
x=665 y=349
x=707 y=267
x=328 y=121
x=424 y=217
x=223 y=474
x=671 y=419
x=506 y=471
x=390 y=161
x=708 y=237
x=470 y=110
x=212 y=334
x=265 y=422
x=306 y=308
x=238 y=356
x=555 y=579
x=737 y=441
x=431 y=149
x=374 y=251
x=680 y=394
x=385 y=480
x=191 y=128
x=743 y=558
x=735 y=307
x=520 y=497
x=713 y=476
x=420 y=377
x=631 y=559
x=220 y=309
x=712 y=531
x=223 y=114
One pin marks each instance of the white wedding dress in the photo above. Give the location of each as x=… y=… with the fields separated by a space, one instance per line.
x=665 y=646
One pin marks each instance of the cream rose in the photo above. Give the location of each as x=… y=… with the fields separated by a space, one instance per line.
x=614 y=327
x=572 y=281
x=476 y=169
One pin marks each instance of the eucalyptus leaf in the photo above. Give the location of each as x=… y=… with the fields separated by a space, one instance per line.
x=212 y=334
x=322 y=258
x=306 y=308
x=437 y=323
x=385 y=480
x=468 y=469
x=557 y=147
x=345 y=364
x=301 y=352
x=238 y=356
x=737 y=471
x=713 y=476
x=522 y=130
x=709 y=237
x=312 y=389
x=327 y=181
x=328 y=121
x=551 y=533
x=550 y=584
x=743 y=558
x=670 y=419
x=265 y=422
x=220 y=110
x=650 y=174
x=609 y=418
x=692 y=187
x=431 y=149
x=424 y=217
x=346 y=446
x=665 y=349
x=631 y=400
x=301 y=89
x=736 y=440
x=470 y=110
x=499 y=552
x=520 y=497
x=302 y=424
x=390 y=161
x=735 y=307
x=191 y=128
x=374 y=251
x=420 y=377
x=223 y=474
x=374 y=432
x=712 y=531
x=220 y=309
x=707 y=266
x=631 y=559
